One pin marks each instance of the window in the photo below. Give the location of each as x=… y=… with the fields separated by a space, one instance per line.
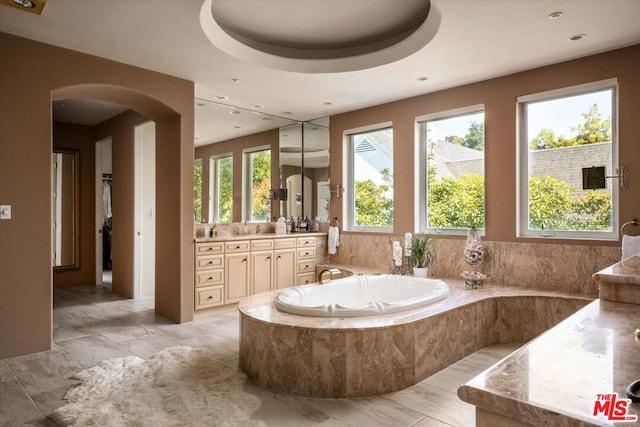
x=451 y=183
x=222 y=186
x=370 y=172
x=197 y=191
x=563 y=134
x=257 y=183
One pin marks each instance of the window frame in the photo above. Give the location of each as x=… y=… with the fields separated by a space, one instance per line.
x=214 y=199
x=421 y=184
x=348 y=172
x=247 y=180
x=522 y=163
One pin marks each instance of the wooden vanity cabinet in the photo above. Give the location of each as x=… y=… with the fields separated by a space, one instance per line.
x=209 y=275
x=305 y=260
x=229 y=271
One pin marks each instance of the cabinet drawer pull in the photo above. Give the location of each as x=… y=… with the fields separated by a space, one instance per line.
x=209 y=249
x=238 y=247
x=306 y=266
x=209 y=278
x=306 y=253
x=210 y=262
x=279 y=256
x=210 y=297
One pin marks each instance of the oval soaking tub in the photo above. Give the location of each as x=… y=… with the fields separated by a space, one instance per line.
x=361 y=296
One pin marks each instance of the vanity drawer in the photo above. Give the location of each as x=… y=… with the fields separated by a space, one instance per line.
x=262 y=245
x=237 y=246
x=306 y=279
x=209 y=262
x=208 y=278
x=209 y=296
x=307 y=253
x=209 y=248
x=306 y=242
x=306 y=266
x=284 y=243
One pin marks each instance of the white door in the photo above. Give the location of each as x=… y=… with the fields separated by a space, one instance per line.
x=145 y=210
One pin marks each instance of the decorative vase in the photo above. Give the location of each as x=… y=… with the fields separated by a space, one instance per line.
x=420 y=271
x=473 y=249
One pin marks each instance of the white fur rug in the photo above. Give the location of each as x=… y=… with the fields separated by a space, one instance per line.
x=179 y=386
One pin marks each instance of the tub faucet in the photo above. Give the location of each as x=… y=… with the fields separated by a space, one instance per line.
x=326 y=274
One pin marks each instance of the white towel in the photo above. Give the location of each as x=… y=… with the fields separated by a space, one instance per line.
x=630 y=246
x=333 y=240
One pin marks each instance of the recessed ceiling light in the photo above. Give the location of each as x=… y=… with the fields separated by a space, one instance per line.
x=555 y=15
x=222 y=97
x=237 y=127
x=288 y=113
x=236 y=81
x=25 y=3
x=327 y=103
x=234 y=112
x=267 y=118
x=577 y=37
x=423 y=78
x=200 y=104
x=256 y=106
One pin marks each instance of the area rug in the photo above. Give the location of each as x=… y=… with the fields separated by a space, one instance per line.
x=179 y=386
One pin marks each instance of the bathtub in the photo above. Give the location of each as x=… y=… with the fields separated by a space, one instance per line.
x=363 y=295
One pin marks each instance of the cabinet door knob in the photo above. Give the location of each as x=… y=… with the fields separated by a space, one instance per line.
x=279 y=256
x=238 y=247
x=244 y=260
x=210 y=262
x=210 y=278
x=210 y=297
x=268 y=257
x=306 y=253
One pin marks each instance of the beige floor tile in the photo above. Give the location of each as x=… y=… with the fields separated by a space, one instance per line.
x=16 y=405
x=90 y=350
x=45 y=370
x=5 y=372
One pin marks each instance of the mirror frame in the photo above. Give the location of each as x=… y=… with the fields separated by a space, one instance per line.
x=76 y=210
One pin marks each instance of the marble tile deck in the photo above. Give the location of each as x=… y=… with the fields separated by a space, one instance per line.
x=92 y=324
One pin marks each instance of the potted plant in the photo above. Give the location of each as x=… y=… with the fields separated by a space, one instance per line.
x=421 y=255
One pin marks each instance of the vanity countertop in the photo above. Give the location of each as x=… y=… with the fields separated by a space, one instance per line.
x=555 y=379
x=626 y=271
x=258 y=236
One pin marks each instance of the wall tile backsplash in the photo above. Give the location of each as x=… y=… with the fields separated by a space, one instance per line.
x=549 y=266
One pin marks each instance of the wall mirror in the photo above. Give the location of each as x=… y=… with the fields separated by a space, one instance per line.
x=304 y=169
x=65 y=222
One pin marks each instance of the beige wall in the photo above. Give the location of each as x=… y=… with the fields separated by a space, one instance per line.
x=235 y=147
x=499 y=98
x=33 y=75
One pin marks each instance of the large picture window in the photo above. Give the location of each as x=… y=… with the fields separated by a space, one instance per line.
x=257 y=183
x=370 y=192
x=222 y=185
x=563 y=134
x=451 y=187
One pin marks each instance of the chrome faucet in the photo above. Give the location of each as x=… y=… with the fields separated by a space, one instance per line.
x=326 y=274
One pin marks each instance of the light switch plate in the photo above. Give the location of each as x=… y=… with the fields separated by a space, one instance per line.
x=5 y=211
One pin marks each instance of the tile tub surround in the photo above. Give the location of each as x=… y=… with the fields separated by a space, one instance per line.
x=621 y=281
x=554 y=380
x=549 y=266
x=352 y=357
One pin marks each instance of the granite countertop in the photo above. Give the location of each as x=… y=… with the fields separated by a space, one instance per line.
x=554 y=380
x=626 y=271
x=258 y=236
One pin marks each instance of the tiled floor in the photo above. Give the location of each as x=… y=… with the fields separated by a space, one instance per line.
x=91 y=324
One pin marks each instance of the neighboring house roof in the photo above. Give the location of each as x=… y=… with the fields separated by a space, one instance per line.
x=456 y=160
